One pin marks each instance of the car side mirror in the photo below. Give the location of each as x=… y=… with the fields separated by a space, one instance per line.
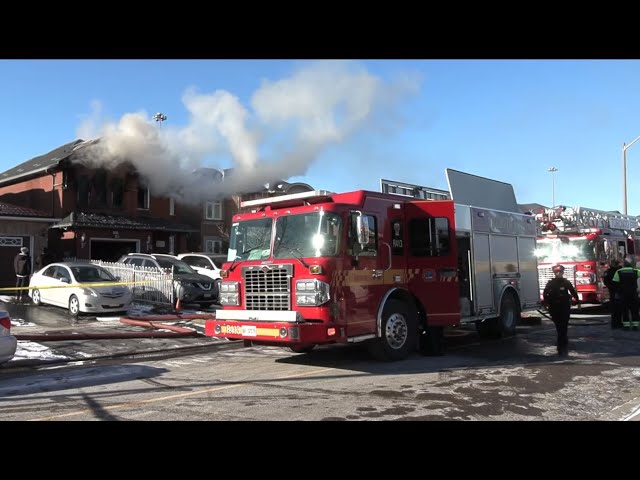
x=65 y=280
x=118 y=278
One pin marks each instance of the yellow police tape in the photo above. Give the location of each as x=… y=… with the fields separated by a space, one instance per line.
x=76 y=285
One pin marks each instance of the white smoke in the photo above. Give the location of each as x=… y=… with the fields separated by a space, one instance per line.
x=290 y=122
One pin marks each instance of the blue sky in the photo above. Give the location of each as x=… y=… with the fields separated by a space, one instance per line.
x=509 y=120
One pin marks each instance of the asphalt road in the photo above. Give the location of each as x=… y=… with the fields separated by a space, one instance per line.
x=511 y=379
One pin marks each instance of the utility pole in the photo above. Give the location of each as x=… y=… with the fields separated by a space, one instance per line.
x=553 y=171
x=624 y=174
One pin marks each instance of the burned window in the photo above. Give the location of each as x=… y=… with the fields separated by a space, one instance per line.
x=117 y=192
x=100 y=187
x=143 y=196
x=83 y=191
x=429 y=237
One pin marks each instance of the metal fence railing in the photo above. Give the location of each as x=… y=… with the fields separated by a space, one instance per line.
x=154 y=286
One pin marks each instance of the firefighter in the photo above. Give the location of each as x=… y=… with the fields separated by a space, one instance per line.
x=615 y=304
x=626 y=279
x=557 y=297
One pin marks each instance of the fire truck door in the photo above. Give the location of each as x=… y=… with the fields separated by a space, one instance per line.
x=432 y=262
x=362 y=284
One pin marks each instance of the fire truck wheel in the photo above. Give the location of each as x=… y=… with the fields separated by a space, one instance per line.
x=509 y=315
x=302 y=348
x=399 y=333
x=504 y=325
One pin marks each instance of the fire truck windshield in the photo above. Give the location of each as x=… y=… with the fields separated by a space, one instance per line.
x=555 y=250
x=250 y=240
x=314 y=234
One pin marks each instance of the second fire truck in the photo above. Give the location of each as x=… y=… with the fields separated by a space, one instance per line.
x=584 y=241
x=320 y=267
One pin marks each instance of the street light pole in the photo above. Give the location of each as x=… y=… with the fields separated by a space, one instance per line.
x=553 y=171
x=160 y=117
x=624 y=174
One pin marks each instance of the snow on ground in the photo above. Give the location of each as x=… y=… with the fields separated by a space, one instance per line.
x=19 y=322
x=34 y=351
x=108 y=319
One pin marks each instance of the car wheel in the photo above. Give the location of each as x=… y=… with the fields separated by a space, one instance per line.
x=74 y=306
x=35 y=297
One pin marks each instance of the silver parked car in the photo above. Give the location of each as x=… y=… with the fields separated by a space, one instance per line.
x=63 y=284
x=8 y=343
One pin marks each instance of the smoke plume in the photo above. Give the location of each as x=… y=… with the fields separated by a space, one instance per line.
x=288 y=124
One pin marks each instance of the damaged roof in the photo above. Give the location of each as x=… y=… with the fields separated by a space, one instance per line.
x=97 y=220
x=40 y=163
x=8 y=210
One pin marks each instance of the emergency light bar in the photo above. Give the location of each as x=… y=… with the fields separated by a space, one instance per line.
x=285 y=198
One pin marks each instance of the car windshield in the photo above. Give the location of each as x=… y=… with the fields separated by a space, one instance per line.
x=92 y=274
x=564 y=249
x=178 y=266
x=218 y=261
x=314 y=234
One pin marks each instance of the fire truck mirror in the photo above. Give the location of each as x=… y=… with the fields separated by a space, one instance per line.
x=362 y=227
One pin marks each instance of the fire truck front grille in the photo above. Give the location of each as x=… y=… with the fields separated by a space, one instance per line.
x=267 y=287
x=545 y=274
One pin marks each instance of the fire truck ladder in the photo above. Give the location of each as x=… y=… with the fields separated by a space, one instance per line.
x=575 y=218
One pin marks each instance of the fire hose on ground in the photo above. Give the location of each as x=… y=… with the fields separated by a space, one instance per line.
x=581 y=324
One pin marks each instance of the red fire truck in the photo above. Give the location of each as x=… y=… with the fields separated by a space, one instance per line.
x=584 y=241
x=318 y=267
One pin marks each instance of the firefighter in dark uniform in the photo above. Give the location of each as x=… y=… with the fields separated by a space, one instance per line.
x=557 y=297
x=615 y=303
x=627 y=280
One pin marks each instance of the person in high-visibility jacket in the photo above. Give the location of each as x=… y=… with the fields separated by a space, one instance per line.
x=627 y=280
x=557 y=297
x=615 y=301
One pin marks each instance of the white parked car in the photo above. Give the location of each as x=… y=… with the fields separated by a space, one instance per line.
x=208 y=264
x=62 y=284
x=8 y=343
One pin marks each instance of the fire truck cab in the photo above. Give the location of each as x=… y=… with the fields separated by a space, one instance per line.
x=319 y=267
x=584 y=241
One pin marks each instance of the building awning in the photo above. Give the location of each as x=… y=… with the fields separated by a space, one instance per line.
x=95 y=220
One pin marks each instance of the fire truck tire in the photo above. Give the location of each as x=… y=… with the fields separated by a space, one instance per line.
x=509 y=315
x=504 y=325
x=302 y=348
x=399 y=333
